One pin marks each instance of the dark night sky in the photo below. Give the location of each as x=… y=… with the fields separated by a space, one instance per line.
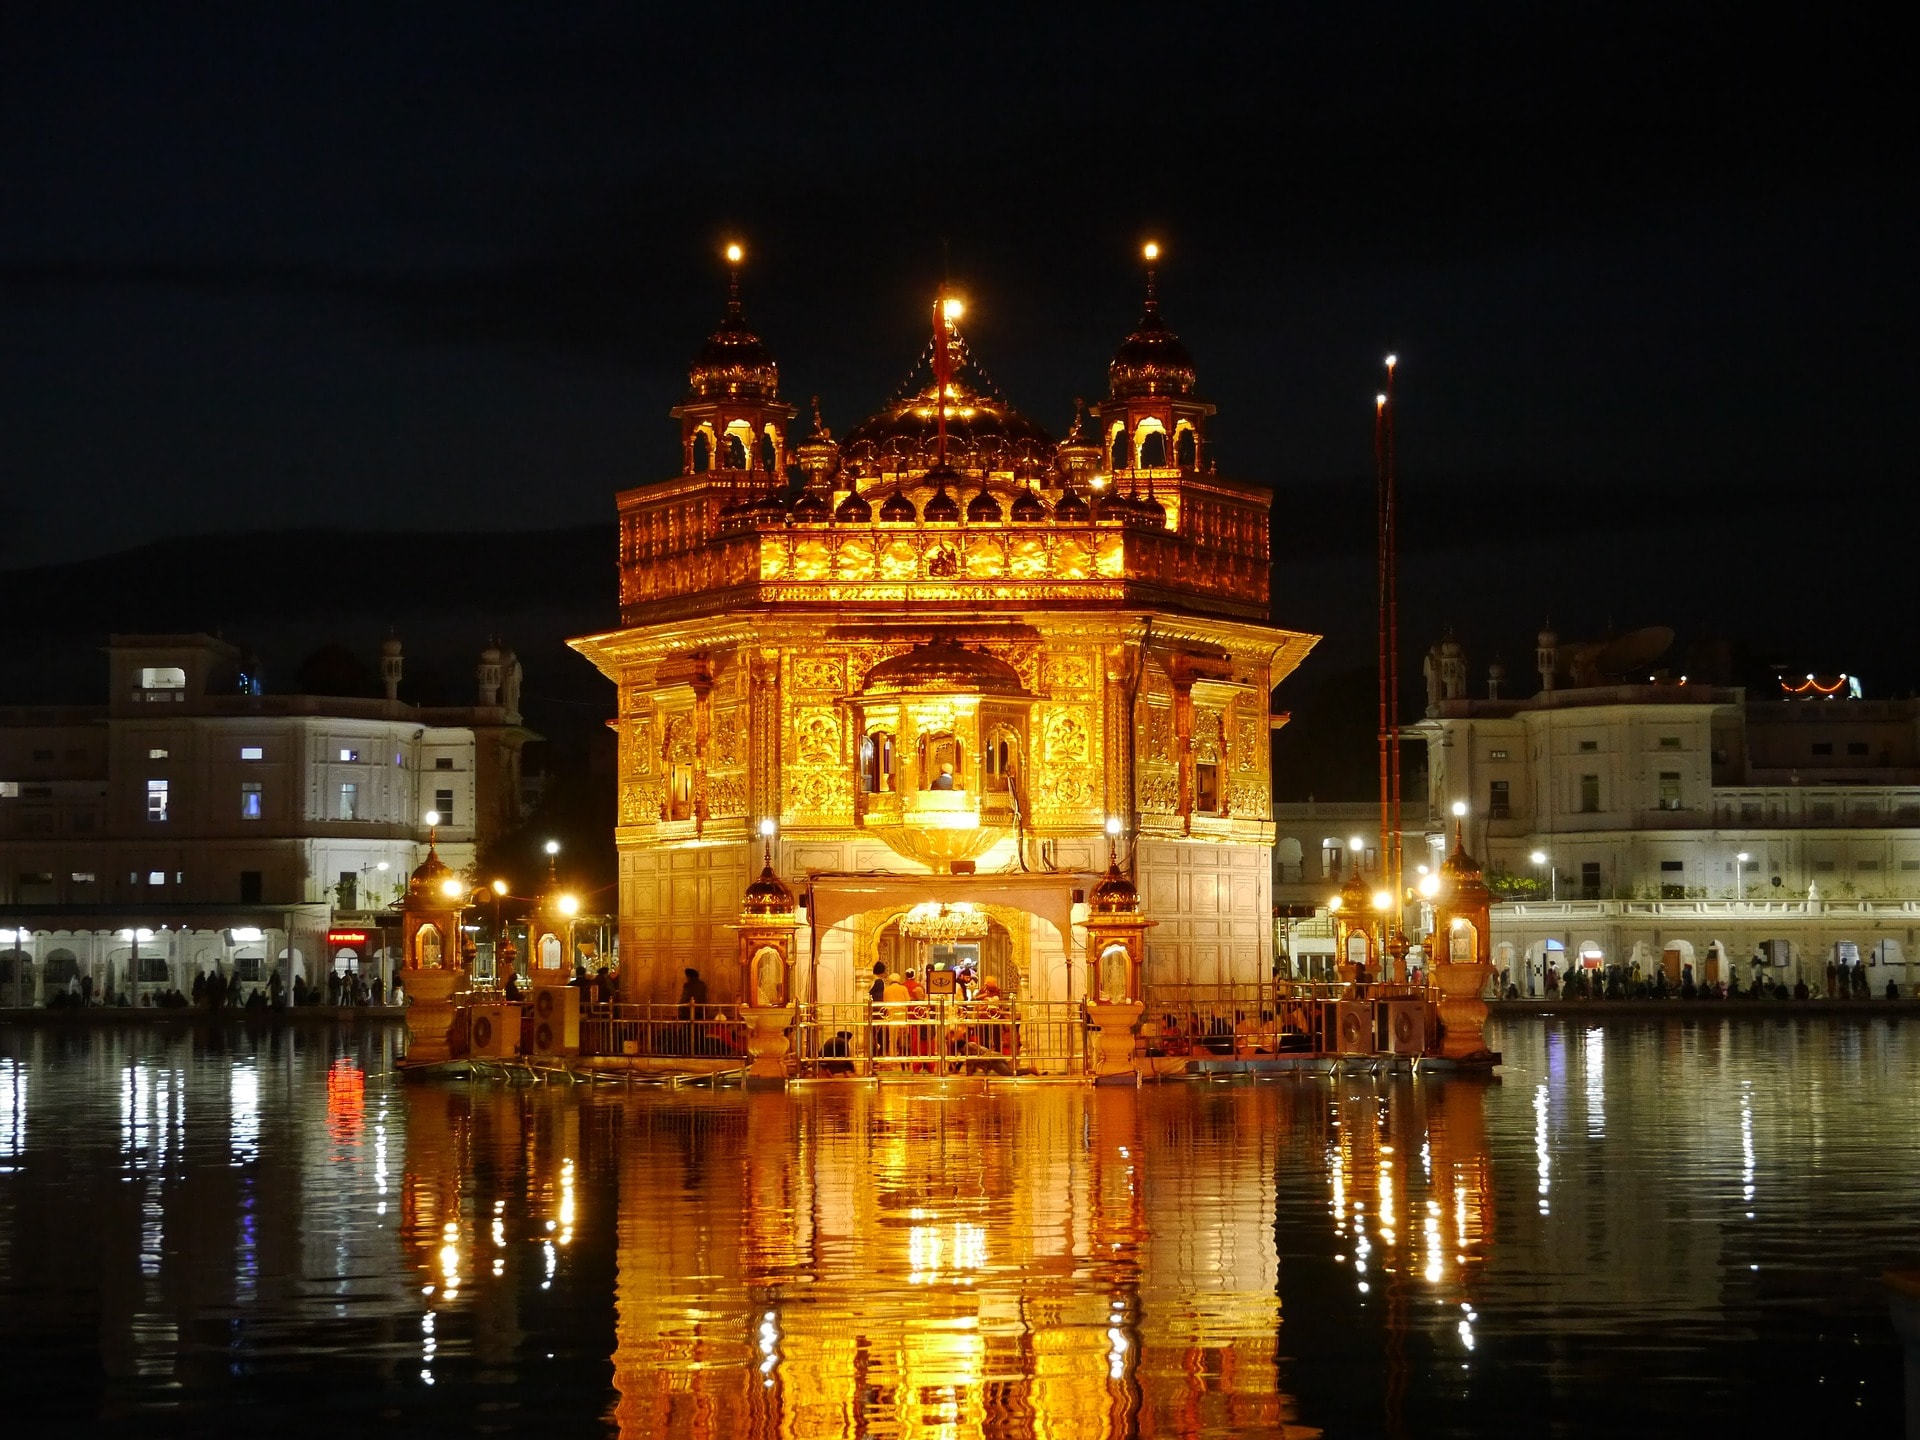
x=266 y=266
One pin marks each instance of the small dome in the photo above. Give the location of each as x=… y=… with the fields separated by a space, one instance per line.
x=1547 y=640
x=941 y=508
x=390 y=646
x=1150 y=511
x=1450 y=648
x=814 y=507
x=982 y=429
x=1115 y=894
x=1071 y=508
x=898 y=509
x=733 y=362
x=491 y=655
x=1028 y=508
x=1150 y=361
x=768 y=895
x=944 y=665
x=428 y=875
x=854 y=510
x=983 y=509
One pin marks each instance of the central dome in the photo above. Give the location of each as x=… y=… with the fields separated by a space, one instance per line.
x=944 y=666
x=983 y=431
x=1151 y=361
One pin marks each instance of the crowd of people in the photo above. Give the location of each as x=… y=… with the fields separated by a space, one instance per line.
x=1627 y=982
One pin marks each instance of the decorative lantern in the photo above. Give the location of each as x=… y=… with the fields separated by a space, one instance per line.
x=432 y=974
x=766 y=931
x=1463 y=917
x=1116 y=954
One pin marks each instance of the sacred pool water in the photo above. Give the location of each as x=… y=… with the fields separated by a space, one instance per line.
x=1647 y=1227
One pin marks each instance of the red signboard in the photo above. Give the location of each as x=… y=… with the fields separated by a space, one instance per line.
x=346 y=937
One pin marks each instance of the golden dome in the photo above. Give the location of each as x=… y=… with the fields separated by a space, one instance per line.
x=734 y=363
x=1150 y=361
x=944 y=666
x=983 y=431
x=1115 y=894
x=428 y=875
x=768 y=895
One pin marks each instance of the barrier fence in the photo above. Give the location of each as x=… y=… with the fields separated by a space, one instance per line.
x=941 y=1036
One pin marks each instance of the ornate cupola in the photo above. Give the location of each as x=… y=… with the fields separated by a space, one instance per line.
x=732 y=419
x=1152 y=424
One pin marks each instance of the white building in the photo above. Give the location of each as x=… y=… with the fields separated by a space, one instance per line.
x=193 y=822
x=1683 y=822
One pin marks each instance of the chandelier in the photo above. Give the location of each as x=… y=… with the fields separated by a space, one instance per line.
x=930 y=920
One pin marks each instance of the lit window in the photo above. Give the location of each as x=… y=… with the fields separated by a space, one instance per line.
x=1669 y=789
x=349 y=802
x=156 y=877
x=163 y=677
x=250 y=800
x=1496 y=754
x=156 y=799
x=83 y=877
x=9 y=789
x=250 y=752
x=156 y=754
x=349 y=755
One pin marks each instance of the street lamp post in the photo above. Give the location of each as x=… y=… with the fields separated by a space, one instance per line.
x=1740 y=876
x=1539 y=858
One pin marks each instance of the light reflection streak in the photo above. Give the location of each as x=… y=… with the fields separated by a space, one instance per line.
x=243 y=1087
x=1746 y=1143
x=1596 y=1082
x=13 y=1112
x=1540 y=1146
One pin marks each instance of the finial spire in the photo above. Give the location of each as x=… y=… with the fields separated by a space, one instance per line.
x=735 y=255
x=1151 y=252
x=947 y=308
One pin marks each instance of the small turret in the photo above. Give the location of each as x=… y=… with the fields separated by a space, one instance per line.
x=390 y=664
x=487 y=673
x=1546 y=656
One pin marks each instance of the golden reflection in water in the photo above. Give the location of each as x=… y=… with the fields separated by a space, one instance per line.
x=951 y=1264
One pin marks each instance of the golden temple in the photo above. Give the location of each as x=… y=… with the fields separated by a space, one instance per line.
x=934 y=660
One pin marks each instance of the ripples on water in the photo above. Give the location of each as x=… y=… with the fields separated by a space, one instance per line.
x=1657 y=1227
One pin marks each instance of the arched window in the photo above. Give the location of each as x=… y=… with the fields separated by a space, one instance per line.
x=702 y=451
x=679 y=791
x=876 y=762
x=1153 y=449
x=1119 y=455
x=426 y=947
x=940 y=762
x=1186 y=448
x=1001 y=754
x=769 y=453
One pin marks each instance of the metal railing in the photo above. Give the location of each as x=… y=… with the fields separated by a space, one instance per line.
x=694 y=1032
x=941 y=1037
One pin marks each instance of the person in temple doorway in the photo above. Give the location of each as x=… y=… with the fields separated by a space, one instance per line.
x=944 y=780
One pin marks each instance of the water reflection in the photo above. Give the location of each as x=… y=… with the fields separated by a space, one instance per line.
x=282 y=1226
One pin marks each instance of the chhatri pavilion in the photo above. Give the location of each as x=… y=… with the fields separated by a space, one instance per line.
x=923 y=671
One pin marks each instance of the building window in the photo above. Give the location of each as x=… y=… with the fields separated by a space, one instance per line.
x=443 y=799
x=1206 y=787
x=1752 y=867
x=1589 y=794
x=1589 y=879
x=9 y=789
x=156 y=799
x=1673 y=879
x=1856 y=747
x=36 y=877
x=1750 y=811
x=1588 y=747
x=156 y=754
x=1330 y=853
x=1821 y=810
x=350 y=755
x=443 y=762
x=163 y=677
x=1823 y=747
x=156 y=877
x=83 y=822
x=1824 y=867
x=347 y=892
x=250 y=800
x=1669 y=742
x=1499 y=800
x=249 y=887
x=1669 y=789
x=42 y=755
x=250 y=752
x=876 y=762
x=1496 y=754
x=1910 y=864
x=1868 y=866
x=83 y=877
x=350 y=802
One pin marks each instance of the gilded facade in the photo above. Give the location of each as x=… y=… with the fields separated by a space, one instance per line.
x=944 y=640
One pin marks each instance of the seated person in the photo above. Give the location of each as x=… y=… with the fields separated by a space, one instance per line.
x=836 y=1056
x=944 y=780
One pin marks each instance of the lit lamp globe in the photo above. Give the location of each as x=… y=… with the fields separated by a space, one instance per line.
x=500 y=888
x=1429 y=885
x=1382 y=901
x=568 y=905
x=451 y=887
x=1459 y=809
x=1538 y=857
